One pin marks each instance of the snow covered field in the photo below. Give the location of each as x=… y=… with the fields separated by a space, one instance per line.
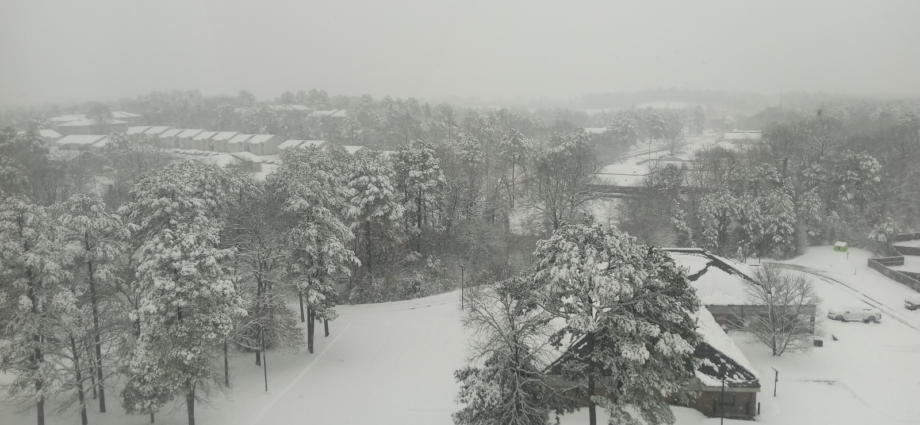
x=914 y=243
x=393 y=363
x=633 y=166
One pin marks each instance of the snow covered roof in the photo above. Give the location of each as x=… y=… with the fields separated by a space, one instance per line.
x=312 y=143
x=88 y=122
x=742 y=135
x=300 y=108
x=157 y=129
x=205 y=135
x=720 y=356
x=260 y=138
x=79 y=139
x=190 y=133
x=240 y=138
x=51 y=134
x=224 y=135
x=288 y=144
x=352 y=149
x=246 y=156
x=101 y=143
x=839 y=244
x=717 y=281
x=595 y=130
x=335 y=113
x=123 y=114
x=68 y=118
x=137 y=129
x=171 y=132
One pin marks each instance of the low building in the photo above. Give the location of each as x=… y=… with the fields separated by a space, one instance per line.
x=353 y=149
x=60 y=119
x=721 y=362
x=184 y=139
x=169 y=139
x=220 y=140
x=312 y=144
x=239 y=143
x=78 y=142
x=153 y=134
x=264 y=144
x=103 y=142
x=89 y=126
x=135 y=133
x=334 y=113
x=288 y=144
x=202 y=141
x=131 y=118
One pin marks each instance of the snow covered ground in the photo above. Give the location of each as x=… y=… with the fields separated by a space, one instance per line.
x=393 y=363
x=911 y=264
x=633 y=165
x=913 y=243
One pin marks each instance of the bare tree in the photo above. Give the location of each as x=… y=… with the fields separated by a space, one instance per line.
x=786 y=318
x=561 y=184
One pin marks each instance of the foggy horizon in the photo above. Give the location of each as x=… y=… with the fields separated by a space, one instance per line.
x=59 y=51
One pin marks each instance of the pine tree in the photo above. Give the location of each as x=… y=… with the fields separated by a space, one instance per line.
x=190 y=301
x=627 y=311
x=31 y=270
x=681 y=229
x=419 y=178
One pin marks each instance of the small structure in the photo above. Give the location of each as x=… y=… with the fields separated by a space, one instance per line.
x=334 y=113
x=153 y=134
x=239 y=143
x=247 y=161
x=103 y=142
x=220 y=140
x=264 y=144
x=312 y=144
x=202 y=141
x=841 y=246
x=169 y=138
x=184 y=139
x=78 y=142
x=136 y=133
x=352 y=149
x=89 y=126
x=131 y=118
x=288 y=144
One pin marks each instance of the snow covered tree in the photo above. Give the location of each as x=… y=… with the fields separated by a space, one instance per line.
x=884 y=233
x=514 y=150
x=419 y=178
x=31 y=270
x=504 y=383
x=789 y=301
x=628 y=330
x=716 y=213
x=681 y=229
x=310 y=186
x=560 y=186
x=853 y=179
x=190 y=300
x=623 y=129
x=378 y=227
x=96 y=241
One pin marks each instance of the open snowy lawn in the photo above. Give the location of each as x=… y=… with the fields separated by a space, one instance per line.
x=913 y=243
x=389 y=363
x=911 y=264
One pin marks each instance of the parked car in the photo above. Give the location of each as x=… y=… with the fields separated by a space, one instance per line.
x=854 y=313
x=912 y=301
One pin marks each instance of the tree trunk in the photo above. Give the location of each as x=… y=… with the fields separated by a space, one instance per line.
x=300 y=295
x=326 y=325
x=151 y=417
x=310 y=320
x=190 y=403
x=418 y=207
x=79 y=379
x=226 y=367
x=592 y=409
x=258 y=357
x=96 y=336
x=92 y=373
x=370 y=251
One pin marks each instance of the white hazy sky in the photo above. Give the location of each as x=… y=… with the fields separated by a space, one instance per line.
x=77 y=50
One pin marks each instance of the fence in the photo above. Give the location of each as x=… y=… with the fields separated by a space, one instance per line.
x=881 y=265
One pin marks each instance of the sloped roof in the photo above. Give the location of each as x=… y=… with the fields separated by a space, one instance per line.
x=205 y=135
x=334 y=113
x=312 y=143
x=352 y=149
x=171 y=132
x=67 y=118
x=246 y=156
x=717 y=282
x=157 y=129
x=224 y=135
x=51 y=134
x=240 y=138
x=79 y=139
x=260 y=138
x=190 y=133
x=123 y=114
x=287 y=144
x=101 y=143
x=88 y=122
x=137 y=129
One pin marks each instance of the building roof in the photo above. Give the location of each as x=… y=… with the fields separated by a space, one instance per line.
x=51 y=134
x=205 y=135
x=101 y=143
x=88 y=122
x=716 y=280
x=79 y=139
x=260 y=138
x=334 y=113
x=287 y=144
x=240 y=138
x=300 y=108
x=246 y=156
x=190 y=133
x=68 y=118
x=312 y=144
x=123 y=114
x=137 y=129
x=352 y=149
x=157 y=129
x=595 y=130
x=171 y=132
x=224 y=135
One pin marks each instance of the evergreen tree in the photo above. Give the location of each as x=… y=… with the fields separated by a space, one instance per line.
x=627 y=312
x=419 y=178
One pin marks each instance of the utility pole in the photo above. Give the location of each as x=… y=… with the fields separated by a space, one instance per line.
x=722 y=401
x=461 y=286
x=775 y=380
x=264 y=360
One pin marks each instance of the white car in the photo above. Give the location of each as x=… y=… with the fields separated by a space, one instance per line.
x=912 y=301
x=854 y=313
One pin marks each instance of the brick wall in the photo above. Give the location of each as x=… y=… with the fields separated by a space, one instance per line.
x=744 y=405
